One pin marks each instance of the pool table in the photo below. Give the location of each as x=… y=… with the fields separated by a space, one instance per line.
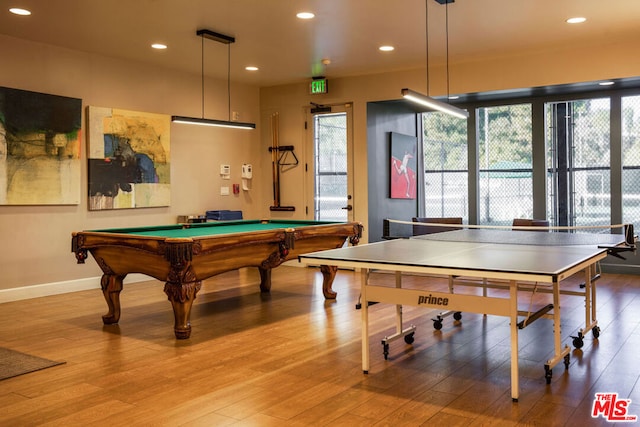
x=183 y=255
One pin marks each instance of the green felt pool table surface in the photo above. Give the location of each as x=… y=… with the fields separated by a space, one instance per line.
x=213 y=228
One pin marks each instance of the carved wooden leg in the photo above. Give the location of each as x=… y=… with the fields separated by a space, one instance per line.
x=328 y=274
x=111 y=285
x=182 y=297
x=265 y=279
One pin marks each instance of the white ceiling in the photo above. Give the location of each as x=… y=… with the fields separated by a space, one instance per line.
x=347 y=32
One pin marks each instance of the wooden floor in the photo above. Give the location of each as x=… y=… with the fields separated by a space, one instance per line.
x=293 y=359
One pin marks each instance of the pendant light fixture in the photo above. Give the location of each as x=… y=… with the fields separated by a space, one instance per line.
x=224 y=39
x=426 y=100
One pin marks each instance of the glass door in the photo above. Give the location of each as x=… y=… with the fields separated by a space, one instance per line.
x=331 y=164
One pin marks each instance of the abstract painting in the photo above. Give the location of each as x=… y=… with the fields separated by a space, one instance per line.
x=403 y=166
x=129 y=159
x=39 y=148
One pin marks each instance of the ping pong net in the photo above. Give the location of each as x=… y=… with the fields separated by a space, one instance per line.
x=604 y=236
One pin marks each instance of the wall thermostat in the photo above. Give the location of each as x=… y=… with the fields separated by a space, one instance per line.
x=225 y=171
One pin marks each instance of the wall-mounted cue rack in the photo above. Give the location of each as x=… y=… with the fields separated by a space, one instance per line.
x=279 y=155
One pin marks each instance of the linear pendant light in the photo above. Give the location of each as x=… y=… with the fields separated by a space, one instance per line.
x=212 y=122
x=426 y=100
x=429 y=102
x=224 y=39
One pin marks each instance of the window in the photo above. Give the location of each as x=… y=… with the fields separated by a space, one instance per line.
x=445 y=166
x=573 y=162
x=631 y=159
x=505 y=164
x=578 y=162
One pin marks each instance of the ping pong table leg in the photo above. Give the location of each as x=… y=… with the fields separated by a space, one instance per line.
x=398 y=306
x=364 y=278
x=401 y=332
x=457 y=315
x=588 y=305
x=515 y=384
x=594 y=319
x=560 y=353
x=557 y=322
x=590 y=322
x=588 y=302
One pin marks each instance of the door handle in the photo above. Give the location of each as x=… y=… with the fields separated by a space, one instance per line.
x=348 y=207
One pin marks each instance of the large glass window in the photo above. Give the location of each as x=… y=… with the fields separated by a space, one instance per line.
x=576 y=148
x=631 y=159
x=578 y=162
x=445 y=166
x=505 y=164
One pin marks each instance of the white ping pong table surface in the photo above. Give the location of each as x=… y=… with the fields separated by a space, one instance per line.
x=488 y=254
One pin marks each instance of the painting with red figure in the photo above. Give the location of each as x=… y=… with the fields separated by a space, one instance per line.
x=403 y=166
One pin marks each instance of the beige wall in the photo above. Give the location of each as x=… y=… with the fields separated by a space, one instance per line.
x=35 y=244
x=35 y=247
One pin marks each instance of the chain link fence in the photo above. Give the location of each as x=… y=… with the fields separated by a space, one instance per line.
x=631 y=159
x=578 y=141
x=505 y=165
x=445 y=166
x=578 y=163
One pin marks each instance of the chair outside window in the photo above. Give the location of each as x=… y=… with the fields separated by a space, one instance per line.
x=430 y=229
x=525 y=222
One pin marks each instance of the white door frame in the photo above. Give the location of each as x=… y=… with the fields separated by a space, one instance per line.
x=309 y=176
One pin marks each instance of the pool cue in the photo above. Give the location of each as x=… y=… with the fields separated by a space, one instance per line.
x=274 y=159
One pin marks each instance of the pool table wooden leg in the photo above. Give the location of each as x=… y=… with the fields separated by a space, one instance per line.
x=111 y=285
x=328 y=274
x=265 y=279
x=182 y=297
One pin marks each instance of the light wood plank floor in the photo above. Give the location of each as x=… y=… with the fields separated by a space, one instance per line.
x=293 y=359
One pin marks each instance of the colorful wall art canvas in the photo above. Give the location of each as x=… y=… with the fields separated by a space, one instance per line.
x=129 y=159
x=39 y=148
x=403 y=166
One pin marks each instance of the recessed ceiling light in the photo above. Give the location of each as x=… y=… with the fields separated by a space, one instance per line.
x=305 y=15
x=251 y=68
x=576 y=20
x=386 y=48
x=159 y=46
x=605 y=83
x=19 y=11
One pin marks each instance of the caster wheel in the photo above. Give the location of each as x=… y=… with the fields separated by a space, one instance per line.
x=457 y=315
x=577 y=341
x=596 y=332
x=409 y=339
x=548 y=373
x=437 y=323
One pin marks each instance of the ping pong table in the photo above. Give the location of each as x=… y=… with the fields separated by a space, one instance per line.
x=512 y=258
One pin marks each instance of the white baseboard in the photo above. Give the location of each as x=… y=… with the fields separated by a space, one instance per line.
x=57 y=288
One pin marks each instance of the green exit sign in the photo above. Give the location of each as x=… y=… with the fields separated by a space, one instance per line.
x=319 y=86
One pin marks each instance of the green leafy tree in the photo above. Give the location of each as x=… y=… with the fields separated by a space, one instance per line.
x=505 y=136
